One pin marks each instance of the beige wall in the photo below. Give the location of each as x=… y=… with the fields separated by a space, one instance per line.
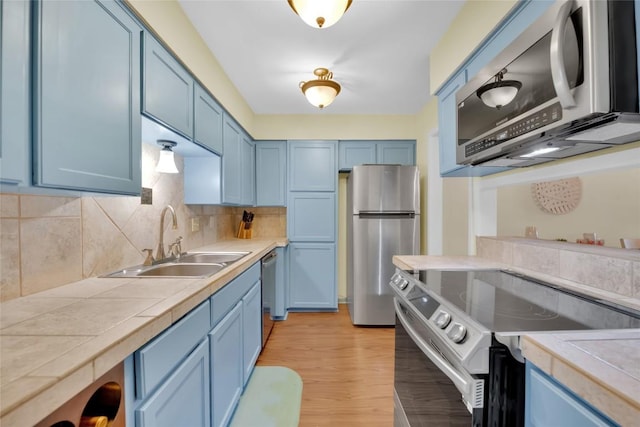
x=610 y=207
x=475 y=20
x=171 y=24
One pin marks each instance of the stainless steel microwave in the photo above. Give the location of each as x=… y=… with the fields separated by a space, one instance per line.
x=567 y=85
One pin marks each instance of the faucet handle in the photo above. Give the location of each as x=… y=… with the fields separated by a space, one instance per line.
x=149 y=259
x=175 y=248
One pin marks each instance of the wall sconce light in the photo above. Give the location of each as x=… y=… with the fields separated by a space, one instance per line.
x=166 y=162
x=320 y=13
x=322 y=91
x=500 y=92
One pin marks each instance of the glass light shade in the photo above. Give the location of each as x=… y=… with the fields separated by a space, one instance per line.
x=320 y=13
x=499 y=93
x=166 y=163
x=321 y=94
x=499 y=96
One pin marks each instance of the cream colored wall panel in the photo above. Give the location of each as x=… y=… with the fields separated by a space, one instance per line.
x=169 y=21
x=474 y=22
x=334 y=127
x=427 y=122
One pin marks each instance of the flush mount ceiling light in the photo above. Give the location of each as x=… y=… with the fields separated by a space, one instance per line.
x=320 y=13
x=166 y=162
x=322 y=91
x=500 y=92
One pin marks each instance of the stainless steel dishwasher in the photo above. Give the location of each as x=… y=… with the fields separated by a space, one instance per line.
x=268 y=279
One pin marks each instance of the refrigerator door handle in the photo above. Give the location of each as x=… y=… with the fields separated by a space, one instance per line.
x=386 y=214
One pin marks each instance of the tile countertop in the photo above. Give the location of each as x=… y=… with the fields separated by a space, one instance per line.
x=55 y=343
x=602 y=367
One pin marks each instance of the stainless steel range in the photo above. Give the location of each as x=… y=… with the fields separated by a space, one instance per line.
x=458 y=359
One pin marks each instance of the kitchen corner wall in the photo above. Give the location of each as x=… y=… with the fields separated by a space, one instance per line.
x=48 y=241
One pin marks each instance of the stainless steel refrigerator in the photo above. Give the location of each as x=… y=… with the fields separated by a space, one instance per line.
x=383 y=220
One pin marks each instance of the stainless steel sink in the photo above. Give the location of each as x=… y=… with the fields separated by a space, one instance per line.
x=170 y=270
x=212 y=257
x=190 y=265
x=182 y=270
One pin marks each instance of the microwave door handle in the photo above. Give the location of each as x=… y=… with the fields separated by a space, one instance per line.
x=558 y=70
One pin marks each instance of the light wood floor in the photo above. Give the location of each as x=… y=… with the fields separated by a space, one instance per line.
x=347 y=371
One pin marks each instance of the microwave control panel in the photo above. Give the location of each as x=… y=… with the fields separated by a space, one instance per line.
x=534 y=121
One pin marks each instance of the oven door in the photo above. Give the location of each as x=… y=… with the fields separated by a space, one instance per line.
x=424 y=393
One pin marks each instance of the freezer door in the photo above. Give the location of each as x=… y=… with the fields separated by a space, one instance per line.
x=376 y=239
x=381 y=188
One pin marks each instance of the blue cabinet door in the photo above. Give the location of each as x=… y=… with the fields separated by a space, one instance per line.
x=87 y=130
x=396 y=152
x=207 y=121
x=183 y=399
x=312 y=165
x=227 y=369
x=247 y=170
x=280 y=301
x=312 y=276
x=231 y=161
x=447 y=126
x=251 y=329
x=167 y=93
x=311 y=217
x=14 y=91
x=548 y=403
x=354 y=153
x=271 y=173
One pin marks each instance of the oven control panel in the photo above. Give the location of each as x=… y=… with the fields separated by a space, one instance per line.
x=463 y=339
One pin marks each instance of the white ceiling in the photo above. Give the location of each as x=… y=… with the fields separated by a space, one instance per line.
x=378 y=52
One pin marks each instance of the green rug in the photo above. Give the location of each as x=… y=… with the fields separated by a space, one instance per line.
x=272 y=399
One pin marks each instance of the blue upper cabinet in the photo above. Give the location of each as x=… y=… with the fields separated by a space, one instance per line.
x=396 y=152
x=247 y=170
x=87 y=130
x=207 y=121
x=521 y=17
x=271 y=173
x=312 y=165
x=354 y=153
x=231 y=160
x=14 y=88
x=167 y=92
x=238 y=165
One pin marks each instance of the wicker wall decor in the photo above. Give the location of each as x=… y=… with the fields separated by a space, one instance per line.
x=557 y=197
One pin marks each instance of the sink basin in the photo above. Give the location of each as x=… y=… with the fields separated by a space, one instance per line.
x=190 y=265
x=212 y=257
x=182 y=270
x=171 y=270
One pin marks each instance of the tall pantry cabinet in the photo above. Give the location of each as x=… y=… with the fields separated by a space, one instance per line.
x=312 y=224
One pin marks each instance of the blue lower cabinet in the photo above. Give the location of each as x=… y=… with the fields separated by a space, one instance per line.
x=549 y=403
x=312 y=276
x=227 y=367
x=252 y=329
x=279 y=309
x=182 y=400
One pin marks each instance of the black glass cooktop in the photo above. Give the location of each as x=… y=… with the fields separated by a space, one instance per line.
x=505 y=302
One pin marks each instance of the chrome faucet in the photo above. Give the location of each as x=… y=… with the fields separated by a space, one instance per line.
x=160 y=255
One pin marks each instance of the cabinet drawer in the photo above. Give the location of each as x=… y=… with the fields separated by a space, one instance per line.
x=224 y=300
x=548 y=403
x=158 y=358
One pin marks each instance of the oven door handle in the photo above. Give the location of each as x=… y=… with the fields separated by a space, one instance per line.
x=465 y=383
